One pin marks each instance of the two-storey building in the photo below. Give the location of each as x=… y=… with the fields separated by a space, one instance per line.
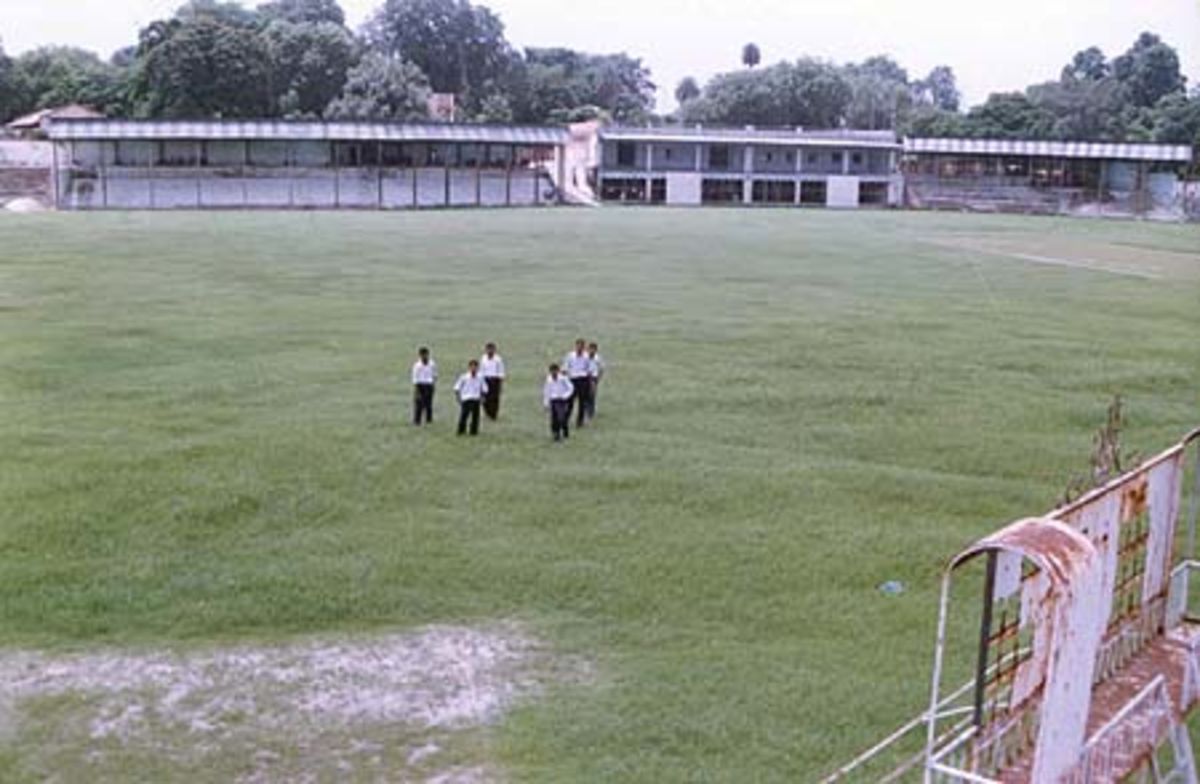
x=697 y=165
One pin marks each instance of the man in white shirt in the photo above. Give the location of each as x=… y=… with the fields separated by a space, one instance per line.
x=556 y=398
x=597 y=374
x=491 y=367
x=578 y=367
x=424 y=377
x=470 y=389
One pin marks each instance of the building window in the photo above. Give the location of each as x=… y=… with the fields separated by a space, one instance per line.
x=770 y=157
x=872 y=193
x=658 y=190
x=837 y=158
x=856 y=159
x=811 y=158
x=718 y=157
x=813 y=192
x=721 y=192
x=626 y=154
x=773 y=192
x=791 y=158
x=623 y=189
x=667 y=154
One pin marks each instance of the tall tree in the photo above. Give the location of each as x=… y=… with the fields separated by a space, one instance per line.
x=9 y=101
x=309 y=64
x=459 y=46
x=751 y=55
x=807 y=92
x=1176 y=119
x=880 y=93
x=562 y=85
x=1149 y=70
x=1087 y=65
x=58 y=75
x=199 y=66
x=940 y=88
x=1008 y=116
x=304 y=11
x=687 y=90
x=383 y=88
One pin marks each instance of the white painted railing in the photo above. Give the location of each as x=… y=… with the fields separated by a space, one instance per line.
x=1128 y=738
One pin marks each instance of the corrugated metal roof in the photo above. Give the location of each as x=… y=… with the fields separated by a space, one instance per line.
x=267 y=130
x=71 y=111
x=1051 y=149
x=781 y=137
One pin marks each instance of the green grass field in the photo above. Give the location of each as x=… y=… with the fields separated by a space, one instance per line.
x=204 y=442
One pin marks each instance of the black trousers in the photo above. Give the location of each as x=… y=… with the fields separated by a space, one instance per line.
x=422 y=403
x=468 y=409
x=581 y=399
x=593 y=390
x=560 y=419
x=491 y=401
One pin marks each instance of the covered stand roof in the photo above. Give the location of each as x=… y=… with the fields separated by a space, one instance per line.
x=281 y=130
x=778 y=136
x=1051 y=149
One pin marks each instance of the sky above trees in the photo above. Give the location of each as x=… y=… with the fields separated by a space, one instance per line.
x=991 y=46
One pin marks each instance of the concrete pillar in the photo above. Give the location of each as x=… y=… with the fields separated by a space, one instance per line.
x=104 y=173
x=560 y=152
x=747 y=174
x=512 y=156
x=845 y=161
x=699 y=157
x=649 y=157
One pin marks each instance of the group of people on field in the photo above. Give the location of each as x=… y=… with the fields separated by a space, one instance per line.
x=570 y=388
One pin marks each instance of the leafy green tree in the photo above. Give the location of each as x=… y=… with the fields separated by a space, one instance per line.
x=1149 y=70
x=1008 y=116
x=688 y=90
x=563 y=85
x=382 y=88
x=200 y=66
x=309 y=64
x=304 y=11
x=459 y=46
x=1176 y=119
x=940 y=88
x=228 y=13
x=1089 y=110
x=751 y=55
x=807 y=92
x=880 y=93
x=10 y=104
x=59 y=75
x=1087 y=65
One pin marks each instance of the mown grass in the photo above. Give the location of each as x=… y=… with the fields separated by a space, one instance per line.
x=204 y=438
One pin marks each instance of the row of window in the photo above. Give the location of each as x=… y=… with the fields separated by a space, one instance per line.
x=720 y=157
x=312 y=154
x=724 y=191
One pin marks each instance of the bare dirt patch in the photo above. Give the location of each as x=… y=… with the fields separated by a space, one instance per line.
x=405 y=706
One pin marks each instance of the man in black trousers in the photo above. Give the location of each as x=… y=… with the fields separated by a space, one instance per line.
x=424 y=377
x=556 y=397
x=578 y=367
x=470 y=389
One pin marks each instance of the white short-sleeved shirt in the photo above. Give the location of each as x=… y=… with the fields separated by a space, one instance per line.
x=491 y=368
x=557 y=389
x=577 y=365
x=471 y=387
x=423 y=373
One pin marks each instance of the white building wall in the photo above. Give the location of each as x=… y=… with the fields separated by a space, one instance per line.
x=841 y=192
x=684 y=188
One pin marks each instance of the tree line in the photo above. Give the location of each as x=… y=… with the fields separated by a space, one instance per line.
x=298 y=59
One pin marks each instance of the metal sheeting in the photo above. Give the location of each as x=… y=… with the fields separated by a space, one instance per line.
x=1052 y=149
x=65 y=130
x=793 y=138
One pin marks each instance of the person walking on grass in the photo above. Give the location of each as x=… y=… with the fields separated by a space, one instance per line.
x=470 y=389
x=491 y=366
x=597 y=373
x=556 y=398
x=424 y=378
x=578 y=367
